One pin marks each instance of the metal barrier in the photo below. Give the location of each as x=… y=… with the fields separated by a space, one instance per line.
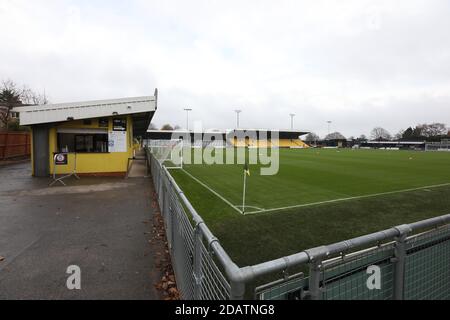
x=413 y=260
x=190 y=242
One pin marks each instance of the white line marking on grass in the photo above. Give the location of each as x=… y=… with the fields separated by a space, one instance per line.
x=251 y=207
x=349 y=198
x=213 y=191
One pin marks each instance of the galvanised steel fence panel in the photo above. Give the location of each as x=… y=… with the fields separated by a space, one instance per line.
x=427 y=268
x=215 y=285
x=346 y=278
x=182 y=235
x=292 y=288
x=412 y=265
x=181 y=232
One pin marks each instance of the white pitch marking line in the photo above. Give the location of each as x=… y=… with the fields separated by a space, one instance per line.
x=213 y=191
x=349 y=198
x=252 y=207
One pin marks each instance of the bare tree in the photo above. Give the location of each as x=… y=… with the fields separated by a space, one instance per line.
x=30 y=97
x=11 y=96
x=312 y=137
x=399 y=135
x=167 y=127
x=335 y=136
x=434 y=130
x=379 y=133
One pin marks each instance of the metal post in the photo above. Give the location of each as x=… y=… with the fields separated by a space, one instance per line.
x=171 y=224
x=243 y=193
x=160 y=190
x=237 y=118
x=187 y=117
x=329 y=123
x=314 y=280
x=198 y=274
x=147 y=165
x=237 y=290
x=164 y=200
x=292 y=121
x=182 y=153
x=399 y=260
x=74 y=173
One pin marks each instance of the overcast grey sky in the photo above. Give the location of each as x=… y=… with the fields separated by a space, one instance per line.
x=358 y=63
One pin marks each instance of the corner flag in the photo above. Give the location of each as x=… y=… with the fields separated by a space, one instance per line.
x=246 y=169
x=246 y=173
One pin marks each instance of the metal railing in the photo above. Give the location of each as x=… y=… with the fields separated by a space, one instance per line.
x=414 y=259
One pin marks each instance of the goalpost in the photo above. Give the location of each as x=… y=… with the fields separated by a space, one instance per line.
x=168 y=152
x=443 y=145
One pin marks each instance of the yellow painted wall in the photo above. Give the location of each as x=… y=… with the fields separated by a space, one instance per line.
x=90 y=163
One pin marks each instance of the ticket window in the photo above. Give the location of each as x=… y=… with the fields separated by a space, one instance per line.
x=82 y=142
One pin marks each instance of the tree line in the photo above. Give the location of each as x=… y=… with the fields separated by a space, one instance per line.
x=13 y=95
x=421 y=132
x=166 y=127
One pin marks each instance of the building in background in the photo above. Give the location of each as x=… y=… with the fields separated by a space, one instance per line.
x=94 y=137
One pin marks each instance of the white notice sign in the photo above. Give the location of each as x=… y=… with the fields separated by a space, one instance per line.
x=117 y=141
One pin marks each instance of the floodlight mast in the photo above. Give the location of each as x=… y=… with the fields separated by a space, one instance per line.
x=238 y=112
x=329 y=123
x=292 y=115
x=187 y=117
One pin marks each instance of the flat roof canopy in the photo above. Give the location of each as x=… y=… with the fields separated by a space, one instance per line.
x=395 y=142
x=167 y=135
x=141 y=109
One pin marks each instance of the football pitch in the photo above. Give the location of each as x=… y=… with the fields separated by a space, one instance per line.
x=318 y=197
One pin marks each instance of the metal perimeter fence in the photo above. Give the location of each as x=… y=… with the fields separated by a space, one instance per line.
x=413 y=260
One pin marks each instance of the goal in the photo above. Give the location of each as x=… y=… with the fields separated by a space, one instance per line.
x=167 y=152
x=443 y=145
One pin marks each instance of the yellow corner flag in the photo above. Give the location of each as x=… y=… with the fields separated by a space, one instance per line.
x=247 y=169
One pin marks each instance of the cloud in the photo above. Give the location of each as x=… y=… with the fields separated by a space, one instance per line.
x=360 y=63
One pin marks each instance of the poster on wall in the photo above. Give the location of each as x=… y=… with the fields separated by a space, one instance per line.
x=117 y=141
x=119 y=124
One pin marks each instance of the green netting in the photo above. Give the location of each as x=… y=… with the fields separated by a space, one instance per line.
x=427 y=267
x=426 y=273
x=290 y=289
x=347 y=280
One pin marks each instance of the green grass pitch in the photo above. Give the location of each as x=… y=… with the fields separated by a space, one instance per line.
x=318 y=197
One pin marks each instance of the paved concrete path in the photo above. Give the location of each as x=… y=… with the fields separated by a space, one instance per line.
x=138 y=165
x=103 y=225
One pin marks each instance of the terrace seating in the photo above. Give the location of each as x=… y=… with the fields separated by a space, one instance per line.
x=300 y=144
x=241 y=143
x=282 y=143
x=290 y=143
x=264 y=144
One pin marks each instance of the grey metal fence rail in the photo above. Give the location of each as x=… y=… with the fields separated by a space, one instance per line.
x=414 y=259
